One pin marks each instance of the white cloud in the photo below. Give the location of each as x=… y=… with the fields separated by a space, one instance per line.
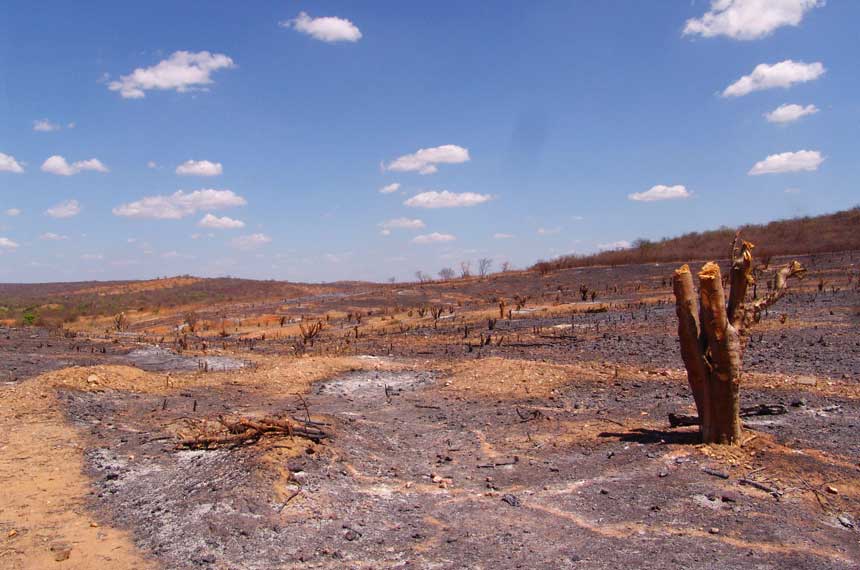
x=660 y=192
x=199 y=168
x=620 y=244
x=808 y=160
x=180 y=204
x=92 y=257
x=328 y=29
x=67 y=209
x=151 y=164
x=58 y=165
x=13 y=212
x=252 y=241
x=548 y=231
x=9 y=164
x=401 y=224
x=749 y=19
x=783 y=74
x=224 y=223
x=45 y=126
x=183 y=71
x=50 y=236
x=445 y=199
x=503 y=236
x=792 y=190
x=790 y=113
x=393 y=187
x=8 y=244
x=425 y=160
x=435 y=237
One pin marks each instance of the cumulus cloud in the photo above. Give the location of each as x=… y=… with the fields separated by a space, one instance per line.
x=9 y=164
x=401 y=224
x=7 y=244
x=180 y=204
x=199 y=168
x=548 y=231
x=503 y=236
x=790 y=113
x=252 y=241
x=435 y=237
x=426 y=160
x=749 y=19
x=58 y=165
x=328 y=29
x=445 y=199
x=620 y=244
x=661 y=192
x=783 y=74
x=50 y=236
x=67 y=209
x=45 y=126
x=223 y=223
x=183 y=71
x=13 y=212
x=801 y=160
x=151 y=164
x=393 y=187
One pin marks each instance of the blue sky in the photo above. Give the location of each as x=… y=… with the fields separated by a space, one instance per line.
x=547 y=128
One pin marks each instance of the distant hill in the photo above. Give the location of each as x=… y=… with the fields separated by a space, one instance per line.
x=816 y=234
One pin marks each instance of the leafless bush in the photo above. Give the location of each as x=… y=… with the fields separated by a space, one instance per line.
x=465 y=269
x=310 y=332
x=191 y=319
x=446 y=274
x=484 y=265
x=120 y=322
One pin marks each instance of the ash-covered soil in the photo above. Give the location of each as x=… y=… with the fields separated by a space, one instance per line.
x=422 y=475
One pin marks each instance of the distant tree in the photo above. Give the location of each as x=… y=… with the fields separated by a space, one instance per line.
x=465 y=269
x=422 y=277
x=506 y=266
x=191 y=319
x=484 y=265
x=446 y=274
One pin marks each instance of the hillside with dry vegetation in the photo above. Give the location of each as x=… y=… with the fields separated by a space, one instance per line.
x=807 y=235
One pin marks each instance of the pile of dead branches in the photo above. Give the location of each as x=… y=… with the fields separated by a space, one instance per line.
x=238 y=430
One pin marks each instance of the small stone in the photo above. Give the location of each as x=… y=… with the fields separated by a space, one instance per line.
x=730 y=497
x=12 y=533
x=845 y=521
x=604 y=492
x=714 y=530
x=832 y=490
x=93 y=379
x=61 y=551
x=351 y=535
x=511 y=500
x=664 y=473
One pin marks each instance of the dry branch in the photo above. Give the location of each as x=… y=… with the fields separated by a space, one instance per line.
x=231 y=432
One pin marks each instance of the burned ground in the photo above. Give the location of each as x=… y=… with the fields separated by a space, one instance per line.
x=548 y=449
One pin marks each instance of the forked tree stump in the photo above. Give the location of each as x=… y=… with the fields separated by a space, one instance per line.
x=712 y=332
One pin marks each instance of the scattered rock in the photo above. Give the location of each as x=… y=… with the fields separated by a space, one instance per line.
x=832 y=490
x=714 y=530
x=511 y=500
x=61 y=551
x=845 y=521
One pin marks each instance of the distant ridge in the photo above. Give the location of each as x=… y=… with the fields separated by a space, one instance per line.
x=811 y=234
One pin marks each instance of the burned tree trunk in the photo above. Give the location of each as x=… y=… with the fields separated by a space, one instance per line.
x=712 y=331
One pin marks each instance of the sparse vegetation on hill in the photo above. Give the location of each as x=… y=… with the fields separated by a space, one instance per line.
x=829 y=232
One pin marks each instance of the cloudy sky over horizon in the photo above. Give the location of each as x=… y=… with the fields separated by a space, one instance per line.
x=337 y=140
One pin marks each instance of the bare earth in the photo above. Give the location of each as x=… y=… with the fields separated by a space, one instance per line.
x=547 y=446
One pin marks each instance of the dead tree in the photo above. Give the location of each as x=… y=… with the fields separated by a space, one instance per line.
x=713 y=333
x=310 y=332
x=120 y=322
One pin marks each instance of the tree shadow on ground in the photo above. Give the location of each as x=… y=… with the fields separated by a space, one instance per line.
x=646 y=436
